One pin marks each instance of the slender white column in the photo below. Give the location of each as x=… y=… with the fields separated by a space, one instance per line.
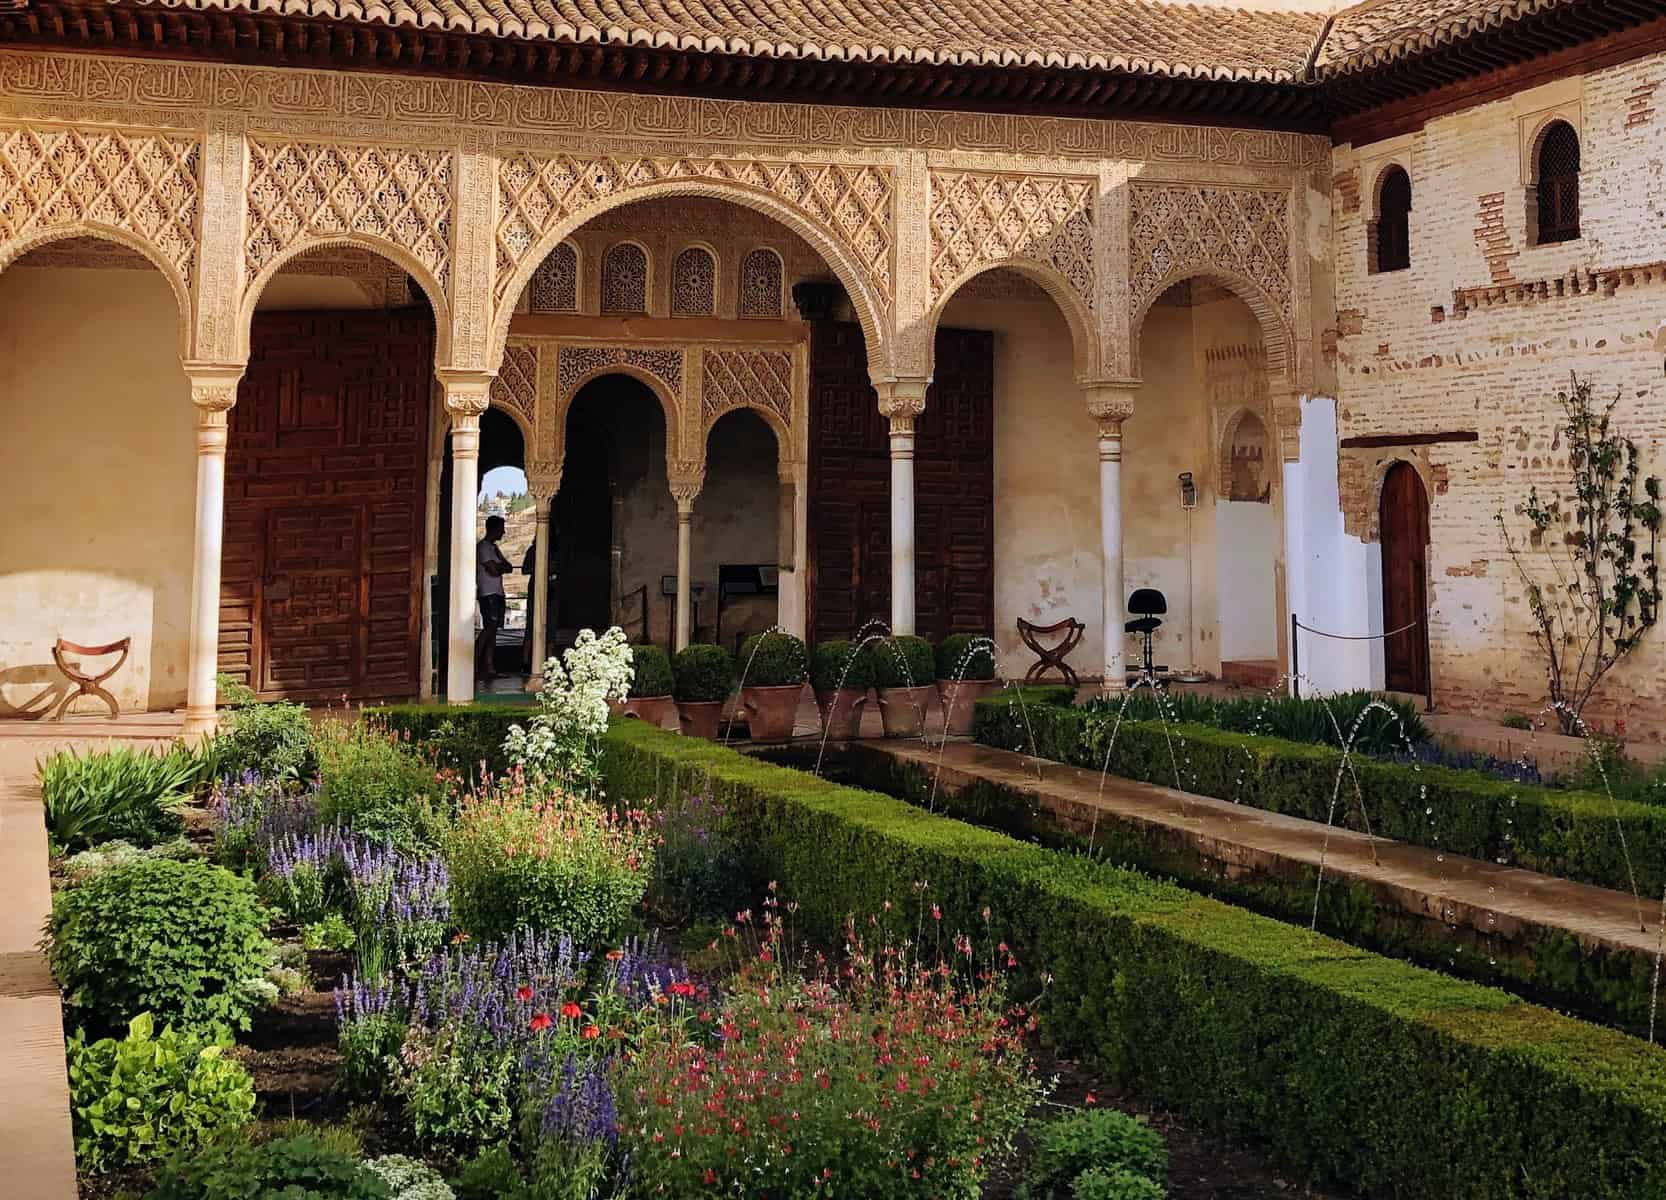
x=1110 y=405
x=465 y=400
x=213 y=396
x=540 y=589
x=901 y=403
x=685 y=566
x=430 y=567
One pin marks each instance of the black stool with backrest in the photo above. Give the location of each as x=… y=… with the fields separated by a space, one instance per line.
x=1148 y=606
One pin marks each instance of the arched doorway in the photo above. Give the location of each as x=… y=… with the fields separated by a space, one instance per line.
x=1403 y=514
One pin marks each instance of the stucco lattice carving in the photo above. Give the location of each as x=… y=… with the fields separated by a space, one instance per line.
x=578 y=361
x=694 y=283
x=733 y=379
x=625 y=279
x=761 y=288
x=516 y=385
x=145 y=184
x=979 y=218
x=315 y=189
x=1245 y=230
x=852 y=203
x=555 y=282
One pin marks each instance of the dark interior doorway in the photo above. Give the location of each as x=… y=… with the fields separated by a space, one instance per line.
x=1404 y=521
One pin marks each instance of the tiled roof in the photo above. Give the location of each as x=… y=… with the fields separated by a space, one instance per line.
x=1140 y=36
x=1380 y=31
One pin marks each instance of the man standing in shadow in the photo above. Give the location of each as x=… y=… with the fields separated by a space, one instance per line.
x=490 y=566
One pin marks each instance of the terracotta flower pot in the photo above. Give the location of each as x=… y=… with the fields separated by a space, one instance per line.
x=958 y=700
x=652 y=709
x=700 y=718
x=903 y=710
x=770 y=711
x=841 y=711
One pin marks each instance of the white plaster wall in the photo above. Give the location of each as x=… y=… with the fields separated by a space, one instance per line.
x=1247 y=535
x=99 y=475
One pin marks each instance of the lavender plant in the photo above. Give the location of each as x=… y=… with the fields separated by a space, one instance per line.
x=251 y=813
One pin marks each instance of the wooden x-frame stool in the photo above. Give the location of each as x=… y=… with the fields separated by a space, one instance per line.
x=1052 y=657
x=85 y=684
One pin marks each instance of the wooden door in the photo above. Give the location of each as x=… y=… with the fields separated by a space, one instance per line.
x=1404 y=523
x=322 y=573
x=849 y=547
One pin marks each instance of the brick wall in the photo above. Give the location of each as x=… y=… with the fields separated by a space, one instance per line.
x=1477 y=336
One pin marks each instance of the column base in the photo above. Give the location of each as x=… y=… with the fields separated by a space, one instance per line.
x=201 y=722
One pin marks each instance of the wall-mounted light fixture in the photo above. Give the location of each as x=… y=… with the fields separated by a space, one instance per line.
x=1188 y=491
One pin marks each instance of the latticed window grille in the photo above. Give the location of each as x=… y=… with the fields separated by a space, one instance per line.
x=625 y=279
x=694 y=284
x=1557 y=171
x=1394 y=221
x=555 y=282
x=761 y=288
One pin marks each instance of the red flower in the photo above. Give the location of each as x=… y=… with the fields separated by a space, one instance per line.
x=571 y=1011
x=540 y=1022
x=711 y=1176
x=1092 y=1099
x=590 y=1031
x=681 y=989
x=523 y=993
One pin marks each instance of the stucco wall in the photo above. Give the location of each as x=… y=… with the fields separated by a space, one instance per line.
x=99 y=468
x=1413 y=357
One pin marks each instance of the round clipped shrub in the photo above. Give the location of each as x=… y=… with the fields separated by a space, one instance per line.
x=140 y=1098
x=956 y=658
x=703 y=674
x=652 y=671
x=181 y=940
x=903 y=661
x=773 y=659
x=839 y=664
x=299 y=1167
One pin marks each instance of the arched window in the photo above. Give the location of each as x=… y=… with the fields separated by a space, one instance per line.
x=1556 y=184
x=1393 y=242
x=625 y=279
x=555 y=282
x=694 y=283
x=761 y=289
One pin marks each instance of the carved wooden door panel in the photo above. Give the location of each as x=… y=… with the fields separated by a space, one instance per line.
x=1404 y=515
x=322 y=571
x=849 y=549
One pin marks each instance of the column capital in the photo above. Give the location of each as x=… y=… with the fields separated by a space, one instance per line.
x=901 y=401
x=213 y=390
x=543 y=481
x=1286 y=403
x=1110 y=402
x=686 y=477
x=467 y=393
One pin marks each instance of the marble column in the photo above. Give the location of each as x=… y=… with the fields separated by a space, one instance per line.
x=213 y=392
x=465 y=400
x=1110 y=406
x=542 y=487
x=901 y=402
x=685 y=489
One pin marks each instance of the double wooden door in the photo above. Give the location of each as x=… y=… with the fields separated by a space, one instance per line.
x=1404 y=522
x=849 y=547
x=322 y=569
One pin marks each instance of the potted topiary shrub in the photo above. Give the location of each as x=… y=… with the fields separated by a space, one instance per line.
x=650 y=697
x=773 y=673
x=904 y=673
x=841 y=675
x=965 y=674
x=703 y=676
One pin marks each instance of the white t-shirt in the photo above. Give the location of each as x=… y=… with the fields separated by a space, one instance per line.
x=485 y=583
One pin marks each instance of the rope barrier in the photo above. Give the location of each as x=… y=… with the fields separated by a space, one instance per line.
x=1295 y=653
x=1355 y=637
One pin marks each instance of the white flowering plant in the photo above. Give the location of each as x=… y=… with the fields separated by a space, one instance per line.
x=561 y=746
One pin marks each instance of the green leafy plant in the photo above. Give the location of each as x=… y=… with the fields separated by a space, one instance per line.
x=372 y=783
x=103 y=795
x=697 y=872
x=142 y=1097
x=274 y=741
x=1111 y=1141
x=463 y=738
x=958 y=659
x=1515 y=720
x=409 y=1179
x=832 y=666
x=652 y=670
x=773 y=659
x=492 y=1174
x=704 y=674
x=1587 y=555
x=90 y=864
x=332 y=932
x=903 y=662
x=181 y=940
x=300 y=1166
x=1115 y=1183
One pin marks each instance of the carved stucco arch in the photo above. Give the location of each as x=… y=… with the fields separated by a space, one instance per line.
x=1072 y=306
x=1229 y=433
x=870 y=307
x=1276 y=339
x=670 y=404
x=19 y=246
x=393 y=253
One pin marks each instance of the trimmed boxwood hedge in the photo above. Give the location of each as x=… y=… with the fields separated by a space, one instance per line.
x=1389 y=1079
x=462 y=737
x=1570 y=834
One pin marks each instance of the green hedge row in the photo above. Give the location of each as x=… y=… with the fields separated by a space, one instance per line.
x=1380 y=1076
x=1570 y=834
x=463 y=737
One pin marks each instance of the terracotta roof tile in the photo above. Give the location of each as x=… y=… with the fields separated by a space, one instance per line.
x=1140 y=36
x=1380 y=31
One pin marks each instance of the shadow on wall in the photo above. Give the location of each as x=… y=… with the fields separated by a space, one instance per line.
x=91 y=608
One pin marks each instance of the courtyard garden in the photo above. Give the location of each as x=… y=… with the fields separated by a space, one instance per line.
x=549 y=953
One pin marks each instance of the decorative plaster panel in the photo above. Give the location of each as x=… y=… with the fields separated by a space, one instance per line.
x=516 y=385
x=979 y=218
x=749 y=378
x=313 y=189
x=578 y=361
x=1176 y=227
x=143 y=184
